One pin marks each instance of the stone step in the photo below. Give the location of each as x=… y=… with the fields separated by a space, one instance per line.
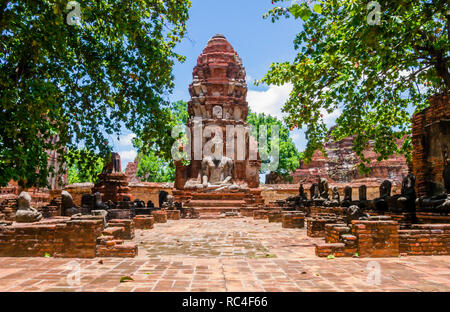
x=325 y=250
x=336 y=250
x=216 y=209
x=219 y=196
x=115 y=231
x=215 y=203
x=212 y=215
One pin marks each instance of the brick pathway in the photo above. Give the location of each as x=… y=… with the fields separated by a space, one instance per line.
x=224 y=255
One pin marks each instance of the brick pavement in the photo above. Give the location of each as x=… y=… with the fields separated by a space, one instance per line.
x=224 y=255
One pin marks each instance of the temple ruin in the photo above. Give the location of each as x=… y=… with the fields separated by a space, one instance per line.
x=219 y=181
x=374 y=217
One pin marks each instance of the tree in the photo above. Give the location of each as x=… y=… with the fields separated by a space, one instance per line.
x=152 y=168
x=81 y=171
x=152 y=165
x=289 y=157
x=64 y=85
x=375 y=62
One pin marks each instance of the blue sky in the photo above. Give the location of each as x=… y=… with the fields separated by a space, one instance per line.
x=259 y=42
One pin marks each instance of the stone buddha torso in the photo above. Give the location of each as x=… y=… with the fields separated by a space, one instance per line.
x=216 y=171
x=446 y=176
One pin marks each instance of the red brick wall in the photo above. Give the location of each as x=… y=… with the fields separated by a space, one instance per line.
x=376 y=238
x=173 y=214
x=143 y=222
x=429 y=133
x=426 y=239
x=160 y=216
x=293 y=220
x=315 y=226
x=274 y=216
x=339 y=165
x=333 y=232
x=59 y=238
x=128 y=226
x=260 y=214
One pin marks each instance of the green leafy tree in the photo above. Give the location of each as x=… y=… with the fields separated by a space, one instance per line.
x=289 y=156
x=153 y=166
x=81 y=169
x=65 y=85
x=376 y=64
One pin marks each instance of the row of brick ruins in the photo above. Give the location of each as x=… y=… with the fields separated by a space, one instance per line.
x=416 y=221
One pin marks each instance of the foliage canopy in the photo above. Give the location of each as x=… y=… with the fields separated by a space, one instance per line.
x=289 y=157
x=375 y=64
x=64 y=86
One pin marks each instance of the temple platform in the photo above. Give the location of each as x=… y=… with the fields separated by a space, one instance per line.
x=211 y=204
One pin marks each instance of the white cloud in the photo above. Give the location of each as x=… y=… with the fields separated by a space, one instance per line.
x=269 y=101
x=272 y=100
x=126 y=140
x=127 y=156
x=330 y=118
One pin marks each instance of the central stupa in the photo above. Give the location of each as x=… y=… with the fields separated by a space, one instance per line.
x=224 y=158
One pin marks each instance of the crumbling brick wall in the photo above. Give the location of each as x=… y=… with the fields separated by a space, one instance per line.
x=376 y=238
x=8 y=207
x=426 y=239
x=430 y=135
x=315 y=226
x=128 y=226
x=293 y=220
x=260 y=214
x=173 y=214
x=144 y=222
x=59 y=238
x=382 y=238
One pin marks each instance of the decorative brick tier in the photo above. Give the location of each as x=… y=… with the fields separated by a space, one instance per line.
x=430 y=133
x=337 y=249
x=425 y=239
x=293 y=220
x=160 y=216
x=333 y=232
x=214 y=204
x=112 y=182
x=405 y=220
x=173 y=214
x=144 y=222
x=113 y=186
